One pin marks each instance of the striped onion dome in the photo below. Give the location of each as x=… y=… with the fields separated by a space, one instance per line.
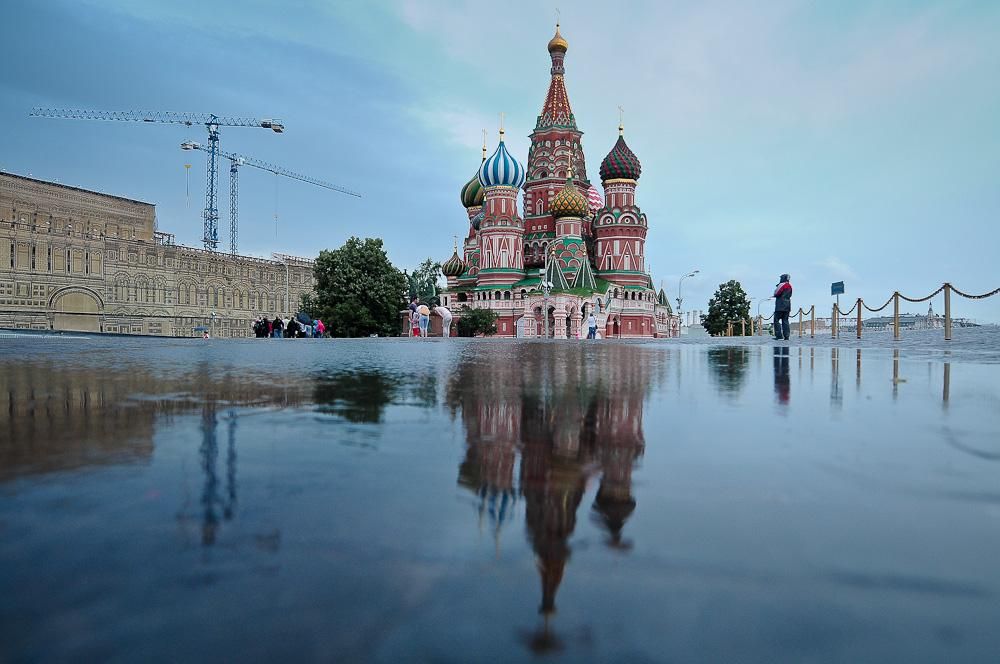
x=569 y=202
x=621 y=162
x=454 y=266
x=501 y=170
x=472 y=192
x=595 y=199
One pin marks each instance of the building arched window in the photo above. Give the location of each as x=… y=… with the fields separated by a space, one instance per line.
x=539 y=206
x=506 y=295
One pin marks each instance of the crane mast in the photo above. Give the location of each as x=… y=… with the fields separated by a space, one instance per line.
x=210 y=121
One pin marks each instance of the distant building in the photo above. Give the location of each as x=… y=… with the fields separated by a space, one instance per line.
x=73 y=259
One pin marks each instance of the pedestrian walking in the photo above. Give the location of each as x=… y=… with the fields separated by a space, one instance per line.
x=591 y=326
x=782 y=307
x=446 y=317
x=277 y=327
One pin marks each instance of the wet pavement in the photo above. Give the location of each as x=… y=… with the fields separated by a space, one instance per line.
x=490 y=500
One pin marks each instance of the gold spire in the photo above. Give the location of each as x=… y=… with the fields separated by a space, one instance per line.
x=621 y=121
x=455 y=243
x=484 y=145
x=501 y=126
x=557 y=43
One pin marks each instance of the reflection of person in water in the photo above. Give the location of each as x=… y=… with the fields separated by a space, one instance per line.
x=782 y=386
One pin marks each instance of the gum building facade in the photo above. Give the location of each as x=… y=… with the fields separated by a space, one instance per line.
x=78 y=260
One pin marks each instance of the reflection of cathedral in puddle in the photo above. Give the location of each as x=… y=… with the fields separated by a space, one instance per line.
x=570 y=420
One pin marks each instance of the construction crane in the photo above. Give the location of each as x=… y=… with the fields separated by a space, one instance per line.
x=210 y=121
x=235 y=161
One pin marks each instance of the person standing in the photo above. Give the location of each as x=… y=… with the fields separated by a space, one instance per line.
x=591 y=326
x=320 y=328
x=277 y=327
x=446 y=317
x=782 y=307
x=425 y=319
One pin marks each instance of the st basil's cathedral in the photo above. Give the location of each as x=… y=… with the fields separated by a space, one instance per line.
x=590 y=249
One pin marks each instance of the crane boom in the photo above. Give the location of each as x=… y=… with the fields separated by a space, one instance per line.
x=166 y=117
x=210 y=121
x=237 y=160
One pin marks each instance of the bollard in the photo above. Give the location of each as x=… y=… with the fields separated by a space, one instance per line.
x=947 y=312
x=833 y=322
x=812 y=322
x=800 y=322
x=895 y=315
x=859 y=318
x=743 y=328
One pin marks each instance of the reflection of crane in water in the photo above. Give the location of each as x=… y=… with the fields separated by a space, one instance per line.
x=211 y=502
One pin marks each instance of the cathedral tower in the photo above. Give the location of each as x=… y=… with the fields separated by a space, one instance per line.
x=620 y=227
x=501 y=233
x=556 y=148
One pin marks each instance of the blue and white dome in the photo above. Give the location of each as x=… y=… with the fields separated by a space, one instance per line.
x=501 y=170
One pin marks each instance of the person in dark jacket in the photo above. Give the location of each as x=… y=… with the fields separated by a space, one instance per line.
x=782 y=307
x=277 y=327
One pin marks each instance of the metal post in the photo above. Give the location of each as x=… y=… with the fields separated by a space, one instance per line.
x=895 y=315
x=946 y=390
x=234 y=205
x=743 y=327
x=947 y=312
x=812 y=322
x=859 y=317
x=800 y=322
x=833 y=321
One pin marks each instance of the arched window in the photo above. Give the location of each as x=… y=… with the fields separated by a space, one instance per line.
x=539 y=206
x=506 y=295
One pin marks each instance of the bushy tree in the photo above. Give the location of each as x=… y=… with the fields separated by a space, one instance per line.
x=422 y=282
x=358 y=292
x=474 y=322
x=730 y=303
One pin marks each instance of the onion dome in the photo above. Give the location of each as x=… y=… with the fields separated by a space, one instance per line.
x=621 y=163
x=472 y=192
x=454 y=266
x=594 y=199
x=569 y=202
x=557 y=43
x=501 y=170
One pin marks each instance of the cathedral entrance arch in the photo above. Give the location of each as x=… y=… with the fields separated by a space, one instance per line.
x=76 y=309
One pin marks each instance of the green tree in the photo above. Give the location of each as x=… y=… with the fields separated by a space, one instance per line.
x=423 y=282
x=473 y=322
x=358 y=291
x=730 y=303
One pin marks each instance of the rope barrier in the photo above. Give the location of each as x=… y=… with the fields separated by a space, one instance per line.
x=924 y=299
x=975 y=297
x=848 y=312
x=887 y=303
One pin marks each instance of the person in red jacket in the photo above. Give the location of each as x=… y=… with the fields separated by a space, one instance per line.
x=782 y=307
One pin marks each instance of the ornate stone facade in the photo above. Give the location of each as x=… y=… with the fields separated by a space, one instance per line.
x=73 y=259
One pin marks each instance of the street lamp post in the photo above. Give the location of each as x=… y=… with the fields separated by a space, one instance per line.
x=680 y=299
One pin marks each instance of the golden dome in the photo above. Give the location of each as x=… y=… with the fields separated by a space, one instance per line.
x=557 y=43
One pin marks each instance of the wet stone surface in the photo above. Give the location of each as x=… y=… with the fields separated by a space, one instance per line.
x=489 y=500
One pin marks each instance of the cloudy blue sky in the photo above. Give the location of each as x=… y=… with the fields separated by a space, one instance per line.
x=832 y=140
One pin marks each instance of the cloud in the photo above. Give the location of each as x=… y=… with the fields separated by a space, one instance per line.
x=838 y=268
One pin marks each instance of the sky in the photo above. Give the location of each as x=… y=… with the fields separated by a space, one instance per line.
x=855 y=141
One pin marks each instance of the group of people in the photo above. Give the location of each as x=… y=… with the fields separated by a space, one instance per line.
x=420 y=319
x=297 y=327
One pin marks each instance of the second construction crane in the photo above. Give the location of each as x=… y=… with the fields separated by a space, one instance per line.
x=211 y=122
x=237 y=160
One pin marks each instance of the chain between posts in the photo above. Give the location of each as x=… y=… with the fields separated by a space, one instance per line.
x=967 y=296
x=887 y=303
x=924 y=299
